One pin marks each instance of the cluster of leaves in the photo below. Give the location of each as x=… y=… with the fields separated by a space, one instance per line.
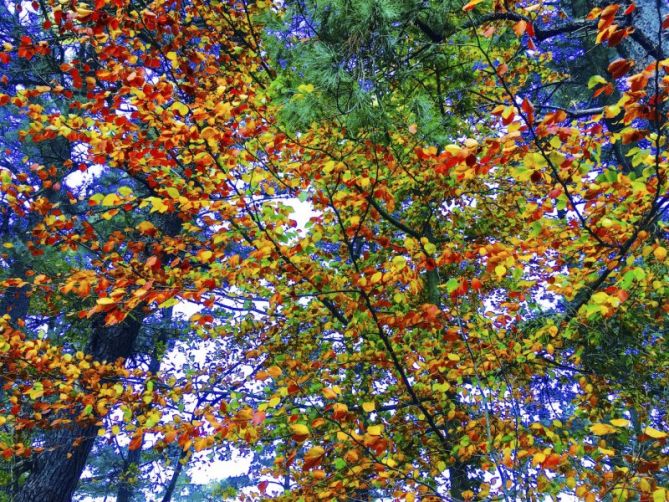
x=476 y=307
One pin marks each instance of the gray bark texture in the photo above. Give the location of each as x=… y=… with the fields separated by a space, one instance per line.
x=57 y=470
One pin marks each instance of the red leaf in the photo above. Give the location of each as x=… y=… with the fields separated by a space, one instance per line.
x=605 y=89
x=551 y=462
x=530 y=30
x=619 y=67
x=617 y=37
x=528 y=109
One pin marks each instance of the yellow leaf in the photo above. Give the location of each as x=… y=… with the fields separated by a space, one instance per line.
x=654 y=433
x=180 y=107
x=273 y=403
x=305 y=88
x=660 y=495
x=172 y=56
x=453 y=357
x=430 y=248
x=106 y=301
x=200 y=444
x=172 y=192
x=299 y=429
x=538 y=458
x=500 y=270
x=369 y=406
x=110 y=199
x=376 y=277
x=36 y=392
x=83 y=11
x=145 y=227
x=157 y=204
x=620 y=422
x=399 y=262
x=204 y=255
x=339 y=410
x=314 y=453
x=331 y=393
x=602 y=429
x=101 y=407
x=600 y=298
x=375 y=430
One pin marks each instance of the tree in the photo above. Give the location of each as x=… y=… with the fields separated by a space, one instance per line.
x=440 y=328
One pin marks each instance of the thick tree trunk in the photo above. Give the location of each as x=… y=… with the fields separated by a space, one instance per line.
x=57 y=470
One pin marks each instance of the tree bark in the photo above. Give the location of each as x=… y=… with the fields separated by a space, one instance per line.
x=169 y=491
x=126 y=489
x=459 y=480
x=57 y=470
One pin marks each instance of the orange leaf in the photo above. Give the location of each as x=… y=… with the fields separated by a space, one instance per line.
x=136 y=442
x=471 y=4
x=520 y=27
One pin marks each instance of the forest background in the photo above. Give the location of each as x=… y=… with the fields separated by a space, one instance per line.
x=476 y=308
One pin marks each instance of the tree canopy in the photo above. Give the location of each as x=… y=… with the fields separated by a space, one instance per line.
x=385 y=249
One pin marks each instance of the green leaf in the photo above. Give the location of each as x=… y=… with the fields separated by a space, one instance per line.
x=596 y=80
x=452 y=284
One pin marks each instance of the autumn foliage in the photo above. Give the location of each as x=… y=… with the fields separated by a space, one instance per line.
x=475 y=307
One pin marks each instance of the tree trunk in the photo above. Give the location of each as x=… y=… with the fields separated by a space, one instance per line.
x=126 y=488
x=169 y=491
x=57 y=470
x=459 y=480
